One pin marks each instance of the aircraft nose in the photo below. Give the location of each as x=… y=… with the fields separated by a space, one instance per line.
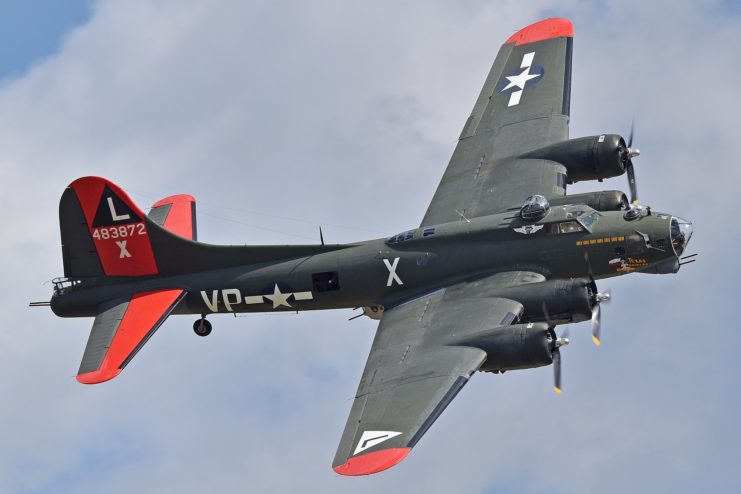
x=681 y=232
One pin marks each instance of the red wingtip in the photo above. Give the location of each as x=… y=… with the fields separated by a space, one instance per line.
x=98 y=376
x=542 y=30
x=372 y=462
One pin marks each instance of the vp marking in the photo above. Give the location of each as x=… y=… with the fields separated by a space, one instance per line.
x=114 y=215
x=371 y=438
x=521 y=79
x=393 y=277
x=122 y=245
x=233 y=296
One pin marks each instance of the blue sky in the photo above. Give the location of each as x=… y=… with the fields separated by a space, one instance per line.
x=32 y=30
x=242 y=104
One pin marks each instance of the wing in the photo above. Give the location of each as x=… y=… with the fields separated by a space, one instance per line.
x=524 y=105
x=414 y=369
x=121 y=329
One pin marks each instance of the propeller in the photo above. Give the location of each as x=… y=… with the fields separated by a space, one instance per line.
x=555 y=351
x=626 y=155
x=562 y=341
x=597 y=299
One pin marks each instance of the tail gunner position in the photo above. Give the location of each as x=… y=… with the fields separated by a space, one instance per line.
x=501 y=257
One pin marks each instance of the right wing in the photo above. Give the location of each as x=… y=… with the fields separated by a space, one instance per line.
x=524 y=105
x=121 y=329
x=416 y=368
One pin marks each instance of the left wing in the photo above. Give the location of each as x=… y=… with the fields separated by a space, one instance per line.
x=415 y=369
x=120 y=330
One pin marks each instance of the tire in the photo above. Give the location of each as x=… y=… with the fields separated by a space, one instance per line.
x=202 y=327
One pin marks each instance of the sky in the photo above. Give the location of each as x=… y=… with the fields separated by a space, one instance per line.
x=281 y=116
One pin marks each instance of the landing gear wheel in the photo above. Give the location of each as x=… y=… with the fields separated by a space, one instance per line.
x=202 y=327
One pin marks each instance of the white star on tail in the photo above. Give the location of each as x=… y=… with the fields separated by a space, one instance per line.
x=520 y=79
x=278 y=298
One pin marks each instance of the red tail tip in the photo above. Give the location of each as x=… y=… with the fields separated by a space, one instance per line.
x=542 y=30
x=372 y=462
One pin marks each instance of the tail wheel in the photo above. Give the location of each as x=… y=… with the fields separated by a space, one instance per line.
x=202 y=327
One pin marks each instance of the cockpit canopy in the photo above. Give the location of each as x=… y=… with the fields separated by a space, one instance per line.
x=534 y=208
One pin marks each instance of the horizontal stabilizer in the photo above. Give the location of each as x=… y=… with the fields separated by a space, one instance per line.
x=121 y=329
x=176 y=214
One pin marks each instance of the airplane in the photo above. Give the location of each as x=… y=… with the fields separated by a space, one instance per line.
x=502 y=256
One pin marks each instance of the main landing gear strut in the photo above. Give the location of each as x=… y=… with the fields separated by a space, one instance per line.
x=202 y=327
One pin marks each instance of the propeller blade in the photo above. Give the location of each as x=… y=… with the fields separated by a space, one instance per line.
x=590 y=273
x=596 y=323
x=557 y=371
x=632 y=182
x=630 y=136
x=546 y=315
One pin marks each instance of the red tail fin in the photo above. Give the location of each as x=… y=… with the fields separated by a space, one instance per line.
x=116 y=226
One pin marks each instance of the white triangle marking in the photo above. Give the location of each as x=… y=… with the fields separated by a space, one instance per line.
x=371 y=438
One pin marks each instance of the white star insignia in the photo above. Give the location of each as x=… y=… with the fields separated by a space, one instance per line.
x=520 y=80
x=278 y=298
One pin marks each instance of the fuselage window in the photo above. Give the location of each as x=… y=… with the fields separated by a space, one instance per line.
x=325 y=282
x=402 y=237
x=428 y=231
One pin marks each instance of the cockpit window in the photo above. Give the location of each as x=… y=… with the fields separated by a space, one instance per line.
x=570 y=227
x=585 y=218
x=589 y=219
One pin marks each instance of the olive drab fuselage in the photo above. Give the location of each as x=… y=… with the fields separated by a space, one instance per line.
x=567 y=243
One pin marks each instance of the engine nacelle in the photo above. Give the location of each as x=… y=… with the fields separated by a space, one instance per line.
x=521 y=346
x=566 y=301
x=586 y=158
x=605 y=200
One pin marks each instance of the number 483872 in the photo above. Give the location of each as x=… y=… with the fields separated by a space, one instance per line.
x=122 y=231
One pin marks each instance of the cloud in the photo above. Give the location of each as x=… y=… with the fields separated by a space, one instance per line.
x=347 y=114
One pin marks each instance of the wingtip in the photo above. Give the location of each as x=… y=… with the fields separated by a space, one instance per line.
x=374 y=462
x=98 y=376
x=555 y=27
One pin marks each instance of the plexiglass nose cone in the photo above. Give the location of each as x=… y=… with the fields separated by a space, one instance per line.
x=681 y=232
